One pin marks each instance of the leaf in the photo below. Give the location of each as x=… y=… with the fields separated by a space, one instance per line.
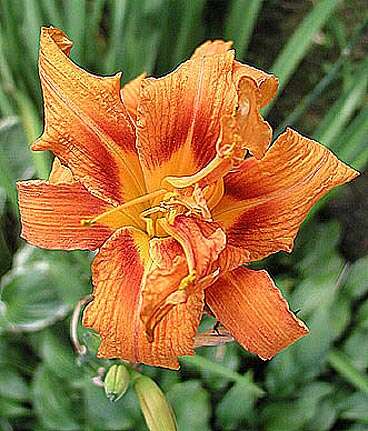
x=12 y=385
x=42 y=288
x=12 y=409
x=228 y=356
x=15 y=157
x=191 y=404
x=294 y=415
x=356 y=283
x=300 y=42
x=52 y=402
x=355 y=408
x=341 y=363
x=324 y=418
x=58 y=357
x=101 y=414
x=30 y=301
x=356 y=347
x=240 y=23
x=236 y=407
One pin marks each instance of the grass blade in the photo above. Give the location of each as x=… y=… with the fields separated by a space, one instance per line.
x=343 y=109
x=240 y=23
x=310 y=98
x=191 y=19
x=300 y=42
x=75 y=26
x=118 y=13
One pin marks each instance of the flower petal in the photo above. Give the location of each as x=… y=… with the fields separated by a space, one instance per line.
x=202 y=242
x=179 y=117
x=60 y=174
x=185 y=272
x=267 y=84
x=255 y=133
x=86 y=124
x=51 y=215
x=130 y=95
x=212 y=47
x=119 y=275
x=266 y=200
x=253 y=310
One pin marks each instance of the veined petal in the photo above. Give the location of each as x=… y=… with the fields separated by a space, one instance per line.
x=266 y=200
x=212 y=47
x=184 y=265
x=86 y=124
x=119 y=274
x=179 y=117
x=202 y=242
x=51 y=214
x=60 y=174
x=267 y=84
x=253 y=310
x=130 y=95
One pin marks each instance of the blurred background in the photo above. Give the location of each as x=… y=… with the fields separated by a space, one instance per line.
x=318 y=49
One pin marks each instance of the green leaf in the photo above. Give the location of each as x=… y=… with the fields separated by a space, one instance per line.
x=356 y=284
x=101 y=414
x=15 y=157
x=300 y=42
x=52 y=402
x=343 y=109
x=343 y=365
x=356 y=348
x=12 y=409
x=236 y=407
x=40 y=289
x=324 y=418
x=216 y=368
x=240 y=23
x=191 y=404
x=229 y=358
x=58 y=357
x=12 y=385
x=355 y=408
x=28 y=302
x=294 y=415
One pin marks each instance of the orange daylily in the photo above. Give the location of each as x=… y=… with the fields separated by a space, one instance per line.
x=175 y=183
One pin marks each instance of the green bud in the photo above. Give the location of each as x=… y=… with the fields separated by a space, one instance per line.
x=155 y=407
x=116 y=382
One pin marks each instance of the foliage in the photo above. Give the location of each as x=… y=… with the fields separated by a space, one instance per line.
x=318 y=384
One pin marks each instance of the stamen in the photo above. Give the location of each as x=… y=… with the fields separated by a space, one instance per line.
x=123 y=207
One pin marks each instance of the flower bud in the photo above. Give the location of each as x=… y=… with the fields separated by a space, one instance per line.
x=116 y=382
x=155 y=407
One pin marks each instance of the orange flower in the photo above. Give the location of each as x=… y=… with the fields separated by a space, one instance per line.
x=173 y=180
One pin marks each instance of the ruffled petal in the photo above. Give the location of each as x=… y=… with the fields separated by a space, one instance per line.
x=119 y=275
x=179 y=117
x=130 y=95
x=51 y=214
x=86 y=124
x=266 y=200
x=253 y=310
x=267 y=84
x=254 y=132
x=186 y=271
x=212 y=47
x=201 y=240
